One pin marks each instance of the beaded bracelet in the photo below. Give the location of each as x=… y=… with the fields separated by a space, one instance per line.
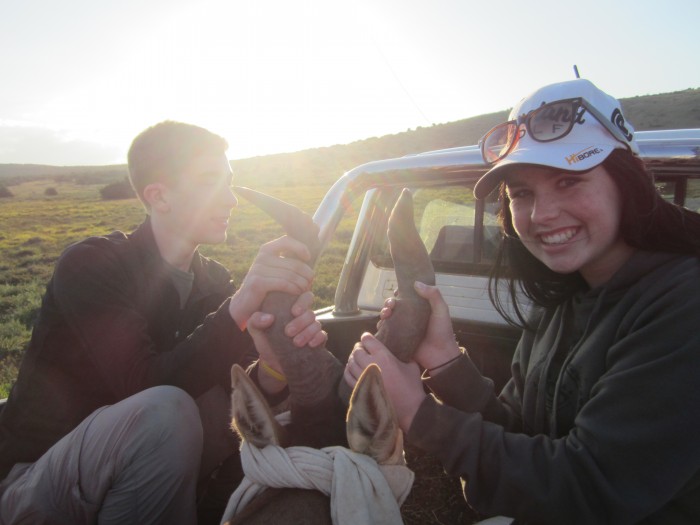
x=445 y=363
x=274 y=374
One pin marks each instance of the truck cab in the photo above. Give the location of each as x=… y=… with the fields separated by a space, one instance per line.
x=460 y=233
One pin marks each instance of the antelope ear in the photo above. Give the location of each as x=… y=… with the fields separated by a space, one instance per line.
x=251 y=416
x=371 y=424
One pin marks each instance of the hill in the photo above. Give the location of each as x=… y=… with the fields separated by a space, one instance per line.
x=675 y=110
x=322 y=166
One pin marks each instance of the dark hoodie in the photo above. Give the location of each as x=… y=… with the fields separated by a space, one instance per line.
x=600 y=422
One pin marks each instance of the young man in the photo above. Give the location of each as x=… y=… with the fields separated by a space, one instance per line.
x=102 y=422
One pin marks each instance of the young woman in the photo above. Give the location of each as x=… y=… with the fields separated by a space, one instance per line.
x=600 y=422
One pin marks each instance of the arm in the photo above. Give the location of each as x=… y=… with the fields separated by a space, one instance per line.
x=450 y=374
x=110 y=309
x=116 y=316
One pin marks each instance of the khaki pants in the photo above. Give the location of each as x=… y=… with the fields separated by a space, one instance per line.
x=133 y=462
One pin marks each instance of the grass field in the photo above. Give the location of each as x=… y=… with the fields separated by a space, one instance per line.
x=36 y=228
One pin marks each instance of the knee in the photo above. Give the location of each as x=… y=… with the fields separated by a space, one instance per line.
x=171 y=415
x=168 y=403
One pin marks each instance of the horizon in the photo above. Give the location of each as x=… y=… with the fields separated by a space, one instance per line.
x=274 y=77
x=231 y=160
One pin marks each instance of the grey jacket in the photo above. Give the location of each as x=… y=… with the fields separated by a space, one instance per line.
x=600 y=422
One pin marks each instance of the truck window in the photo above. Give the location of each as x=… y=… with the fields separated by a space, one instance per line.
x=445 y=221
x=681 y=190
x=449 y=221
x=692 y=198
x=667 y=189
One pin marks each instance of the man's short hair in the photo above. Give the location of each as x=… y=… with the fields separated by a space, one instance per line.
x=161 y=152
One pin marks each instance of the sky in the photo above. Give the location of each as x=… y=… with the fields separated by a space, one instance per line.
x=80 y=78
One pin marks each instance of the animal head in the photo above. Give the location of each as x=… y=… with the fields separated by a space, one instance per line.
x=319 y=487
x=371 y=424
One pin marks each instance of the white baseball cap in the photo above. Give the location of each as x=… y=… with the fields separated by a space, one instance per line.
x=597 y=129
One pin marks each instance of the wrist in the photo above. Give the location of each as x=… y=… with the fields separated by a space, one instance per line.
x=407 y=412
x=439 y=359
x=271 y=380
x=238 y=312
x=272 y=371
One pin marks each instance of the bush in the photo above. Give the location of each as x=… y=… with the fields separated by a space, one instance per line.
x=118 y=190
x=5 y=192
x=50 y=192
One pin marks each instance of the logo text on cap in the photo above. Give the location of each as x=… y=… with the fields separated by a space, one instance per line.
x=582 y=155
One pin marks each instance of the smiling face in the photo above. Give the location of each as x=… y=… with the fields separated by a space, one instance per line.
x=201 y=200
x=569 y=220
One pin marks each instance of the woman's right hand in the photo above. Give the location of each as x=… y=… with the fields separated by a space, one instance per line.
x=439 y=345
x=401 y=380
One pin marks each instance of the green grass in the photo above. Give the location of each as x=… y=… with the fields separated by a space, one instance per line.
x=37 y=228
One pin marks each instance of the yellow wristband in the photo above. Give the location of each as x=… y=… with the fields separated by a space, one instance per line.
x=274 y=374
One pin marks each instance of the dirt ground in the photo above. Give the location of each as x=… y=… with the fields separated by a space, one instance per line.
x=436 y=498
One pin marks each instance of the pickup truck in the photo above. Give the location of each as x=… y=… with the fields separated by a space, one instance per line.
x=461 y=235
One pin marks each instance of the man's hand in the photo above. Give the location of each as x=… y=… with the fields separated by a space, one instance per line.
x=304 y=330
x=271 y=271
x=439 y=345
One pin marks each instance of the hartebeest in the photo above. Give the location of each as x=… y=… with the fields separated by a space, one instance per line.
x=314 y=374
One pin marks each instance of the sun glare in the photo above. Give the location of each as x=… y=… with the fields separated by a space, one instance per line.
x=274 y=75
x=306 y=75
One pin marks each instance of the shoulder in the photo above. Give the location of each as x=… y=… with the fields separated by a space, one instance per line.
x=665 y=302
x=94 y=254
x=653 y=275
x=95 y=245
x=674 y=274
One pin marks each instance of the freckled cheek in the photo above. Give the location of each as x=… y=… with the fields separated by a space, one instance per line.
x=520 y=219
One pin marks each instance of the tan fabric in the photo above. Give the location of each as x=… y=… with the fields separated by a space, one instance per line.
x=361 y=491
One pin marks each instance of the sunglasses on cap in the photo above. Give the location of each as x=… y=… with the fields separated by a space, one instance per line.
x=547 y=123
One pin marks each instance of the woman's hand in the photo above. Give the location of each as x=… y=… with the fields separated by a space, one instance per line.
x=401 y=380
x=439 y=345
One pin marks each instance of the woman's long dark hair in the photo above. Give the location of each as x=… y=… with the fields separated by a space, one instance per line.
x=648 y=222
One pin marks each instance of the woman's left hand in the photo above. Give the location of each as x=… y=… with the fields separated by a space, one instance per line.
x=401 y=380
